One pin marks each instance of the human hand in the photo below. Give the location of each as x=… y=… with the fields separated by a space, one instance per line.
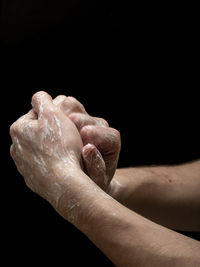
x=102 y=144
x=45 y=144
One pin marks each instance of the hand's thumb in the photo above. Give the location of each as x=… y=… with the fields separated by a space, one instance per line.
x=94 y=165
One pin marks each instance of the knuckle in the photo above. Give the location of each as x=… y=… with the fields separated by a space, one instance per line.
x=116 y=133
x=100 y=122
x=83 y=131
x=79 y=119
x=87 y=131
x=38 y=95
x=50 y=110
x=64 y=103
x=116 y=137
x=103 y=122
x=75 y=103
x=12 y=129
x=71 y=105
x=74 y=117
x=73 y=100
x=59 y=99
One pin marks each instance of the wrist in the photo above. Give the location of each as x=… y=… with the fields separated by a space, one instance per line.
x=79 y=198
x=60 y=180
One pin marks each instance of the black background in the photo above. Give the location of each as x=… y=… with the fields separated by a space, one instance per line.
x=135 y=66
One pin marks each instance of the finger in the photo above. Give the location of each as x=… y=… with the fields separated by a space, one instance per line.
x=107 y=141
x=94 y=165
x=59 y=99
x=17 y=127
x=76 y=112
x=42 y=103
x=81 y=120
x=31 y=115
x=101 y=122
x=23 y=128
x=69 y=104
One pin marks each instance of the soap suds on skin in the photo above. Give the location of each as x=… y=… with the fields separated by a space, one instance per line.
x=18 y=146
x=54 y=189
x=97 y=163
x=58 y=126
x=40 y=162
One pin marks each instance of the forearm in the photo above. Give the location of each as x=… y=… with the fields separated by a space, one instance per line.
x=128 y=239
x=168 y=195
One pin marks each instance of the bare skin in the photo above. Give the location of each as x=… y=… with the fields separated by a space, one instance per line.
x=102 y=144
x=47 y=150
x=168 y=195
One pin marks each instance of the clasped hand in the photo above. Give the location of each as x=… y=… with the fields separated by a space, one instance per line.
x=56 y=141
